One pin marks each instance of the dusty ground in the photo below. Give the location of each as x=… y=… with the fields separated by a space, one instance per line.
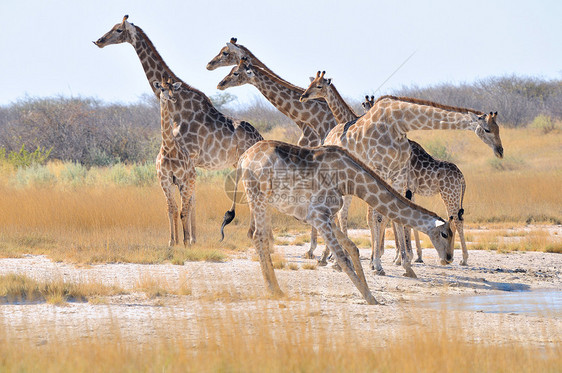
x=235 y=289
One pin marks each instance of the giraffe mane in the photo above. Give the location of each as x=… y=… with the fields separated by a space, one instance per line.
x=171 y=74
x=418 y=101
x=340 y=98
x=276 y=78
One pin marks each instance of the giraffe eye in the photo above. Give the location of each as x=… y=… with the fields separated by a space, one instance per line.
x=119 y=30
x=444 y=235
x=319 y=86
x=485 y=130
x=225 y=53
x=235 y=74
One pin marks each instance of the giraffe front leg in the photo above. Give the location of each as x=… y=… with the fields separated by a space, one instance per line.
x=397 y=258
x=326 y=230
x=344 y=213
x=192 y=223
x=374 y=220
x=186 y=195
x=418 y=246
x=172 y=211
x=313 y=244
x=405 y=262
x=353 y=252
x=459 y=228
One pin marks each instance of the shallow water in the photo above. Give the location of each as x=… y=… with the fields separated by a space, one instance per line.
x=537 y=302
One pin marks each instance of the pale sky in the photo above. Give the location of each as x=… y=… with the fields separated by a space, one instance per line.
x=47 y=45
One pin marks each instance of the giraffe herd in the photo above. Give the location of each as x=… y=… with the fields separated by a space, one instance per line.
x=339 y=155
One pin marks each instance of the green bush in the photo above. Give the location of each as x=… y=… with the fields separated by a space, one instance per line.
x=439 y=150
x=509 y=163
x=24 y=158
x=118 y=174
x=143 y=174
x=34 y=175
x=544 y=123
x=74 y=174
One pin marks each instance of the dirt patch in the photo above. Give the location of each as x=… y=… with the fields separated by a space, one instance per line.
x=236 y=287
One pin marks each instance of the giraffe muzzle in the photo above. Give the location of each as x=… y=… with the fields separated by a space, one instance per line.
x=99 y=42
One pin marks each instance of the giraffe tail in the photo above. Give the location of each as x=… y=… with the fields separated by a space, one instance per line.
x=461 y=211
x=230 y=214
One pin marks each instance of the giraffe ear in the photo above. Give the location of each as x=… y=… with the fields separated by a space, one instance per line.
x=233 y=48
x=329 y=81
x=176 y=86
x=156 y=84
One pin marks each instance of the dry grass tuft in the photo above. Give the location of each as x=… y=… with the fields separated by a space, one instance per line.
x=310 y=265
x=20 y=288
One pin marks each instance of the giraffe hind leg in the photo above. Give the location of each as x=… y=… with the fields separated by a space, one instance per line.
x=313 y=244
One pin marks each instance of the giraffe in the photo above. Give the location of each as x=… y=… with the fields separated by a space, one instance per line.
x=173 y=166
x=322 y=176
x=212 y=140
x=310 y=117
x=379 y=139
x=428 y=177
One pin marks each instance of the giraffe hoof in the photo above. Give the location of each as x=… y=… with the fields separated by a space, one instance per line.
x=308 y=255
x=410 y=273
x=463 y=263
x=380 y=272
x=322 y=263
x=398 y=262
x=336 y=267
x=419 y=260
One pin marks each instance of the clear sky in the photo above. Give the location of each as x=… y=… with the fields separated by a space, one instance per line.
x=47 y=45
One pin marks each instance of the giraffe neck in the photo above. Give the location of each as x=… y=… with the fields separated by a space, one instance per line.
x=153 y=64
x=412 y=116
x=166 y=127
x=282 y=96
x=360 y=181
x=286 y=98
x=341 y=110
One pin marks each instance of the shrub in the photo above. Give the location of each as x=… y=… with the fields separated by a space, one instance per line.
x=438 y=150
x=35 y=175
x=74 y=174
x=119 y=175
x=24 y=158
x=509 y=163
x=544 y=123
x=143 y=174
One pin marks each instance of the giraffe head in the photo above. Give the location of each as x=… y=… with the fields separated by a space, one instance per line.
x=228 y=55
x=442 y=238
x=242 y=73
x=120 y=33
x=368 y=103
x=489 y=132
x=168 y=90
x=318 y=87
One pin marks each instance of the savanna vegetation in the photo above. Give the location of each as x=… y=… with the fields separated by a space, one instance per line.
x=77 y=179
x=77 y=183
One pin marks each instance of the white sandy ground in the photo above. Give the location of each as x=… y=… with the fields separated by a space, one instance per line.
x=236 y=289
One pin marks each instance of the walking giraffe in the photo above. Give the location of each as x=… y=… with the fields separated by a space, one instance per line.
x=314 y=117
x=212 y=140
x=331 y=172
x=428 y=177
x=379 y=139
x=173 y=166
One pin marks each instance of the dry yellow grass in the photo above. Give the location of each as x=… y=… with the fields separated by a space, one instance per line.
x=274 y=340
x=106 y=222
x=17 y=288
